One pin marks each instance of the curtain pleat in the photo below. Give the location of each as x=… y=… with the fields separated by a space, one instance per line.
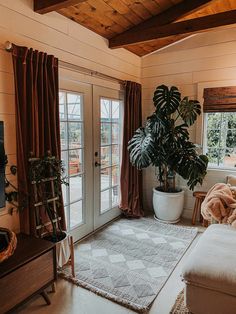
x=131 y=178
x=37 y=121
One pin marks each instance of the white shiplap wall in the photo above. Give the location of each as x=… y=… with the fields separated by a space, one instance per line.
x=207 y=57
x=65 y=39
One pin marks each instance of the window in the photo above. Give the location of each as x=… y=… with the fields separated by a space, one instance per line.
x=220 y=139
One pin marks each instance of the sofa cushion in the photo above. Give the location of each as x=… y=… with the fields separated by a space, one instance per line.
x=212 y=262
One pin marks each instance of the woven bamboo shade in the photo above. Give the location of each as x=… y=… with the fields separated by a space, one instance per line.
x=220 y=99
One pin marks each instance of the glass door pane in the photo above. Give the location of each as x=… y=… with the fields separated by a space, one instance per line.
x=110 y=153
x=107 y=144
x=77 y=155
x=72 y=126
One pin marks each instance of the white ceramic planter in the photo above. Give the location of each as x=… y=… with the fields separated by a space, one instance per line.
x=63 y=251
x=168 y=207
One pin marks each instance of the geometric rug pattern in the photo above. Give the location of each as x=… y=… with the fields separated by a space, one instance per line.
x=130 y=260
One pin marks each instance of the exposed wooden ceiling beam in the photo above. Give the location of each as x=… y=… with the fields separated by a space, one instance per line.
x=183 y=27
x=168 y=16
x=45 y=6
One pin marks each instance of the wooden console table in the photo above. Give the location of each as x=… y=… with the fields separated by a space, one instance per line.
x=29 y=271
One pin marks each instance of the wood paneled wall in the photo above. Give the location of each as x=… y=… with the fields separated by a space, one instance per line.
x=206 y=57
x=65 y=39
x=7 y=114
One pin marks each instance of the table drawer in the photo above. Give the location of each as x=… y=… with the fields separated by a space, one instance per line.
x=26 y=280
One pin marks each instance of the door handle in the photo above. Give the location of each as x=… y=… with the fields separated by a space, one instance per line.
x=97 y=164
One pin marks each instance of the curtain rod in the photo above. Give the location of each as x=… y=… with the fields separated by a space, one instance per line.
x=80 y=69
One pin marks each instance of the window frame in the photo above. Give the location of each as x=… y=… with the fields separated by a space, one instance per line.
x=200 y=124
x=205 y=138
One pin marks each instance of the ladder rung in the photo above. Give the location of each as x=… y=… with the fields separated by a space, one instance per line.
x=44 y=180
x=36 y=158
x=48 y=201
x=48 y=223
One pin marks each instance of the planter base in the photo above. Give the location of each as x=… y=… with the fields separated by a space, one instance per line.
x=167 y=222
x=168 y=206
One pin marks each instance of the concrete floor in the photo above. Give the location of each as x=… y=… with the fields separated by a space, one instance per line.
x=70 y=299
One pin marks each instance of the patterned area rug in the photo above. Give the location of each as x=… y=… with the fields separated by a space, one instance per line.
x=179 y=306
x=130 y=260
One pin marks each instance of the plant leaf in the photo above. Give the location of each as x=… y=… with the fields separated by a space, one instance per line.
x=166 y=100
x=141 y=148
x=157 y=124
x=189 y=110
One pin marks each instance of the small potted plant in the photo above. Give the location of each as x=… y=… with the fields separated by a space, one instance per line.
x=164 y=143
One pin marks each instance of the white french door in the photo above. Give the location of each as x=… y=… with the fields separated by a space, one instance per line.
x=90 y=127
x=107 y=126
x=76 y=153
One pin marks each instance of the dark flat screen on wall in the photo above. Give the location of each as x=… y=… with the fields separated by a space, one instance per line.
x=2 y=166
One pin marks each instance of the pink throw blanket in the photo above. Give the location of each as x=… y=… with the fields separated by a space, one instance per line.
x=220 y=204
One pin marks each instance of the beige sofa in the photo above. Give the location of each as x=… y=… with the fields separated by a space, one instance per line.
x=210 y=272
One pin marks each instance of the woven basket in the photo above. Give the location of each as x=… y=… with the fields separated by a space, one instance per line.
x=11 y=246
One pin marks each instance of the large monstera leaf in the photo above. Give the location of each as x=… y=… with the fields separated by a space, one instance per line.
x=189 y=165
x=182 y=156
x=197 y=171
x=141 y=148
x=157 y=124
x=189 y=110
x=166 y=100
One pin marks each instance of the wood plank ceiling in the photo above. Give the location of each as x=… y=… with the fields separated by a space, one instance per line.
x=123 y=21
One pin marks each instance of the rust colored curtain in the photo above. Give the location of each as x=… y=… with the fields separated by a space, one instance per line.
x=131 y=178
x=37 y=120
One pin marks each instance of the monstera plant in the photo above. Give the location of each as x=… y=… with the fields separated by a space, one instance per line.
x=164 y=143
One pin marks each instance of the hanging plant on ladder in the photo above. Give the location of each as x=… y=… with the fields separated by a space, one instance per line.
x=46 y=176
